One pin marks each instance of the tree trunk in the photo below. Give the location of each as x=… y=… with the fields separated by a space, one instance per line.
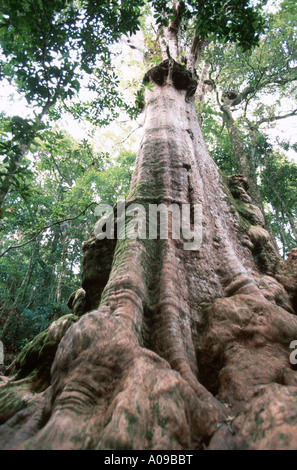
x=21 y=292
x=15 y=159
x=60 y=285
x=244 y=160
x=169 y=35
x=187 y=349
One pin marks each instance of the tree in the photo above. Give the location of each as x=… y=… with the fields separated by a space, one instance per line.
x=47 y=47
x=242 y=79
x=186 y=349
x=40 y=270
x=279 y=180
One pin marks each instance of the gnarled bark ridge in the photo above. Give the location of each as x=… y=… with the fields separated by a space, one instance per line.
x=183 y=349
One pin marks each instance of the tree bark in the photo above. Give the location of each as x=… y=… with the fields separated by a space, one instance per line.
x=60 y=285
x=244 y=162
x=194 y=52
x=169 y=34
x=186 y=349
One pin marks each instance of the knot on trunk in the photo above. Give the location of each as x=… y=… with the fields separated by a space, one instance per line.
x=255 y=237
x=181 y=78
x=287 y=276
x=77 y=302
x=239 y=187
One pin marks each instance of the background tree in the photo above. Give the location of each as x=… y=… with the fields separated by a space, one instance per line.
x=251 y=90
x=47 y=48
x=37 y=278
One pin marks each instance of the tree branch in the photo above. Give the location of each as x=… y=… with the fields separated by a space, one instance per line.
x=195 y=49
x=13 y=247
x=276 y=118
x=251 y=90
x=126 y=138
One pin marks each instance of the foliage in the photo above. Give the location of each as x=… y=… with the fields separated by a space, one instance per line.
x=217 y=139
x=232 y=21
x=259 y=89
x=37 y=279
x=47 y=45
x=269 y=68
x=279 y=191
x=49 y=50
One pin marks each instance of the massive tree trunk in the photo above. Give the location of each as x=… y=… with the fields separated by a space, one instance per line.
x=182 y=349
